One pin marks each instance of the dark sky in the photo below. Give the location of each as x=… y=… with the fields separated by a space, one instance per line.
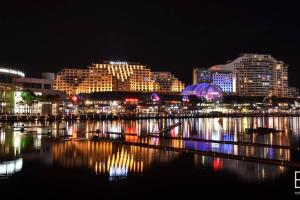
x=166 y=35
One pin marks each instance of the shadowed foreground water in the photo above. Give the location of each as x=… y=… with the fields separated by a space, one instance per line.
x=34 y=165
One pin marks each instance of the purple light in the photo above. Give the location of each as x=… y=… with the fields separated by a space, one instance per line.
x=155 y=97
x=185 y=98
x=204 y=91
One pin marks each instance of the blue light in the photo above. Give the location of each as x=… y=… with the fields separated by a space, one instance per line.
x=204 y=91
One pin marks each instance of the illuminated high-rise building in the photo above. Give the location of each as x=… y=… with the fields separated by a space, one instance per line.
x=166 y=82
x=256 y=75
x=115 y=76
x=223 y=80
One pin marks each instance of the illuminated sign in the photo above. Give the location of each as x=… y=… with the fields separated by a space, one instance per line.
x=75 y=98
x=131 y=100
x=117 y=63
x=11 y=71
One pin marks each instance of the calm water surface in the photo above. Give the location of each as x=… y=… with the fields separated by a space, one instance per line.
x=34 y=164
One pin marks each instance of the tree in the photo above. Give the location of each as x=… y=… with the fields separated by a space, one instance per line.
x=29 y=98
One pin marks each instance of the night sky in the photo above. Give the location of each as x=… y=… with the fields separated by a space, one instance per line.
x=166 y=35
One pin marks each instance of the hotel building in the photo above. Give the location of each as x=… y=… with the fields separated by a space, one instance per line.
x=114 y=76
x=221 y=78
x=165 y=82
x=69 y=79
x=256 y=75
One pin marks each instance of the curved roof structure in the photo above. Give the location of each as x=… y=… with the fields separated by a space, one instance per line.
x=11 y=72
x=204 y=91
x=155 y=97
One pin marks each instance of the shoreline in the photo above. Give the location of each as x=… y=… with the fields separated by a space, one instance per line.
x=16 y=118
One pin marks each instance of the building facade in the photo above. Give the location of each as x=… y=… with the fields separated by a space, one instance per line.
x=166 y=82
x=293 y=92
x=69 y=79
x=115 y=76
x=35 y=83
x=8 y=88
x=256 y=75
x=221 y=78
x=201 y=75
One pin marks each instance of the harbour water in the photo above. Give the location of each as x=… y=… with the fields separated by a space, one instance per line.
x=67 y=162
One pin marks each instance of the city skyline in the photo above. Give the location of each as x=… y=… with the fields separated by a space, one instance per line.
x=172 y=35
x=159 y=99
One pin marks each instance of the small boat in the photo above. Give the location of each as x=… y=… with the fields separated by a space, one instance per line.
x=262 y=130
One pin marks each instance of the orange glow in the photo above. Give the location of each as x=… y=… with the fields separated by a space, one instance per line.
x=75 y=98
x=131 y=100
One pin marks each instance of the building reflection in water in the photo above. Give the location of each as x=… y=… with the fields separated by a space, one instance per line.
x=107 y=158
x=118 y=161
x=231 y=129
x=10 y=150
x=246 y=171
x=12 y=145
x=8 y=168
x=221 y=129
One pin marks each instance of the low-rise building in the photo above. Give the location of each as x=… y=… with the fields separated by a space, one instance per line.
x=8 y=88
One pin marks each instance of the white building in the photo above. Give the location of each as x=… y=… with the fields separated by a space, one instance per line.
x=256 y=75
x=223 y=80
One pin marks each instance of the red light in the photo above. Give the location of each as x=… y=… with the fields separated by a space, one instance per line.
x=217 y=164
x=75 y=98
x=131 y=100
